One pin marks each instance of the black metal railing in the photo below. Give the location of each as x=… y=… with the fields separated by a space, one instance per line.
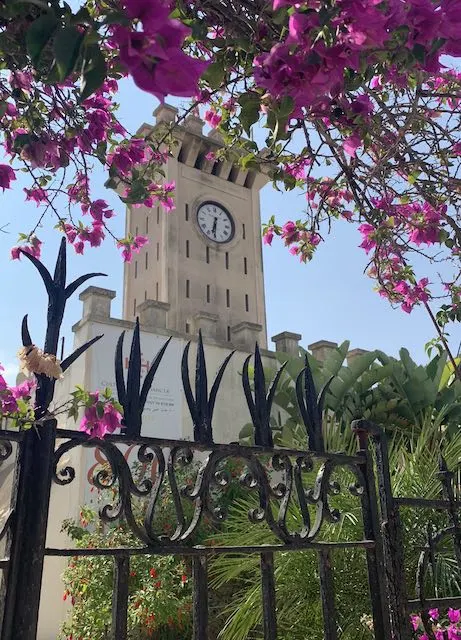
x=276 y=477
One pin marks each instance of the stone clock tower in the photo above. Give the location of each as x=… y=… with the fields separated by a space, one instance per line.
x=202 y=267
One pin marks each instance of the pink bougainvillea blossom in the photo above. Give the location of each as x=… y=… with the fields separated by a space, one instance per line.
x=100 y=417
x=7 y=175
x=454 y=615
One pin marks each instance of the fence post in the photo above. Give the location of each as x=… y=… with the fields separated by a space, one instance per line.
x=32 y=483
x=371 y=526
x=391 y=534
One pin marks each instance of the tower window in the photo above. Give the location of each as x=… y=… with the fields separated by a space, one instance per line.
x=156 y=290
x=136 y=269
x=187 y=288
x=187 y=327
x=208 y=255
x=245 y=266
x=228 y=334
x=208 y=293
x=158 y=215
x=187 y=248
x=227 y=260
x=147 y=224
x=158 y=251
x=243 y=231
x=145 y=295
x=134 y=307
x=147 y=259
x=136 y=232
x=187 y=212
x=227 y=298
x=247 y=302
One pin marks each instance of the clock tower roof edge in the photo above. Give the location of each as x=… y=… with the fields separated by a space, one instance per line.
x=193 y=148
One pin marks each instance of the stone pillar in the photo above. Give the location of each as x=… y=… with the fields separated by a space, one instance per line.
x=353 y=354
x=165 y=113
x=96 y=302
x=287 y=342
x=194 y=124
x=152 y=314
x=321 y=349
x=207 y=323
x=246 y=334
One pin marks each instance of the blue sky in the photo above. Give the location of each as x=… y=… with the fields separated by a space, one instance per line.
x=330 y=298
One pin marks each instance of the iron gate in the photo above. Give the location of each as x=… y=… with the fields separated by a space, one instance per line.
x=276 y=476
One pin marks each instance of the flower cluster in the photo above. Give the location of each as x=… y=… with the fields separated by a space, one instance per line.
x=56 y=130
x=317 y=60
x=102 y=414
x=301 y=241
x=442 y=628
x=14 y=401
x=154 y=56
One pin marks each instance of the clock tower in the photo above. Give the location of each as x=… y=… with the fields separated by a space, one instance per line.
x=202 y=268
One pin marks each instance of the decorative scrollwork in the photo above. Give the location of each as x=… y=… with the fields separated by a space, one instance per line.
x=6 y=449
x=277 y=482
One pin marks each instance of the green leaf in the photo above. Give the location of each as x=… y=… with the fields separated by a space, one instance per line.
x=214 y=74
x=249 y=112
x=246 y=431
x=38 y=35
x=419 y=51
x=67 y=45
x=93 y=73
x=448 y=374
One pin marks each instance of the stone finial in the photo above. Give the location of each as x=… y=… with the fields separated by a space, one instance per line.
x=165 y=113
x=194 y=124
x=354 y=353
x=287 y=342
x=152 y=314
x=245 y=334
x=207 y=322
x=321 y=349
x=96 y=302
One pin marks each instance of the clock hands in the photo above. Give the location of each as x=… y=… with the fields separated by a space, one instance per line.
x=213 y=230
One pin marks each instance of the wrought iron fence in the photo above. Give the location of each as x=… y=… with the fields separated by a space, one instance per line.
x=275 y=476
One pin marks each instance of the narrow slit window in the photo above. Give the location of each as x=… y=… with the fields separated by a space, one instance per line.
x=208 y=293
x=243 y=231
x=158 y=251
x=147 y=259
x=136 y=269
x=227 y=260
x=187 y=249
x=227 y=298
x=156 y=290
x=208 y=255
x=187 y=327
x=228 y=334
x=187 y=288
x=158 y=215
x=245 y=266
x=247 y=302
x=187 y=212
x=134 y=307
x=147 y=224
x=136 y=231
x=145 y=295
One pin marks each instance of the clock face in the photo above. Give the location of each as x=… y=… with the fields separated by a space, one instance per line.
x=215 y=222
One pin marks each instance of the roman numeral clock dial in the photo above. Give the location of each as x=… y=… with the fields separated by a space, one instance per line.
x=215 y=222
